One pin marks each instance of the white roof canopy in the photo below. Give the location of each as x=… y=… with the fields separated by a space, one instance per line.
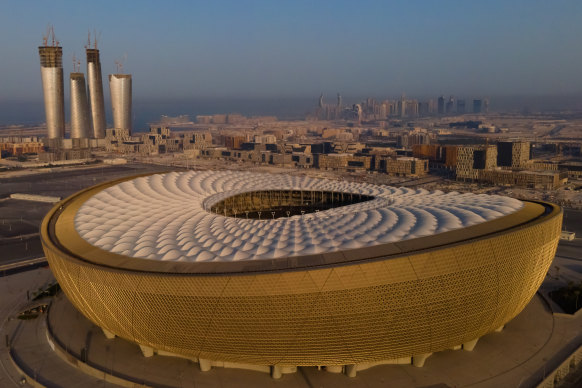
x=163 y=217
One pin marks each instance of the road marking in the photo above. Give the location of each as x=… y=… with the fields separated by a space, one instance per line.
x=21 y=264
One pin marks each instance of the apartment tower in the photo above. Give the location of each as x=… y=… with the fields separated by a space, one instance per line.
x=95 y=91
x=120 y=88
x=80 y=127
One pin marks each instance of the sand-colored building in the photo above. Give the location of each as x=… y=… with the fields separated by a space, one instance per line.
x=402 y=166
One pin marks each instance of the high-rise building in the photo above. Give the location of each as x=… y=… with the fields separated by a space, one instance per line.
x=450 y=107
x=441 y=105
x=359 y=112
x=383 y=110
x=423 y=108
x=461 y=106
x=80 y=127
x=477 y=106
x=412 y=108
x=51 y=71
x=432 y=106
x=402 y=106
x=120 y=88
x=96 y=92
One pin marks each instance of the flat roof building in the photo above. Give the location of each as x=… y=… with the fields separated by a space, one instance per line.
x=514 y=154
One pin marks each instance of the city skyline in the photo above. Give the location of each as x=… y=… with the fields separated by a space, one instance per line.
x=298 y=50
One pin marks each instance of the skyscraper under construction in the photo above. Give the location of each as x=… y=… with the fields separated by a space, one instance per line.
x=95 y=90
x=80 y=128
x=51 y=71
x=120 y=88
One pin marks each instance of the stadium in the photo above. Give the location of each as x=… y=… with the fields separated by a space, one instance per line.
x=239 y=269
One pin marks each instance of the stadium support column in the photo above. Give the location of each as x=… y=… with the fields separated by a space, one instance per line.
x=419 y=359
x=120 y=88
x=276 y=372
x=108 y=334
x=146 y=350
x=51 y=71
x=79 y=108
x=205 y=365
x=351 y=370
x=470 y=345
x=95 y=84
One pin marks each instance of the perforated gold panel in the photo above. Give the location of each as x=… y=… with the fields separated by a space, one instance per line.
x=366 y=311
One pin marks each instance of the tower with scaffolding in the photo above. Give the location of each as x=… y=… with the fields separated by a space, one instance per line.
x=51 y=70
x=79 y=108
x=95 y=84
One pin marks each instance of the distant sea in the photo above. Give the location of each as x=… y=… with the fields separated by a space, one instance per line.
x=150 y=110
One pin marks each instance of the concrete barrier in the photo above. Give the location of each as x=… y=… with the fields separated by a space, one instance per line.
x=35 y=198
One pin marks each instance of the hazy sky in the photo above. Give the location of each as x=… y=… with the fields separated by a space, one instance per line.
x=236 y=48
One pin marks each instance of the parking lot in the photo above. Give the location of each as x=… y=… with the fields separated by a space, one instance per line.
x=20 y=220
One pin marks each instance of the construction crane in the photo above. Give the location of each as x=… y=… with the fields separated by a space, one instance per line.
x=76 y=64
x=45 y=38
x=55 y=42
x=119 y=64
x=95 y=38
x=88 y=45
x=50 y=34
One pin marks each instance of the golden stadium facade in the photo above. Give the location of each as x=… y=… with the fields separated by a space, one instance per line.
x=302 y=272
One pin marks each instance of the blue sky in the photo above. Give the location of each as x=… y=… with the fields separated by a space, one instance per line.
x=178 y=49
